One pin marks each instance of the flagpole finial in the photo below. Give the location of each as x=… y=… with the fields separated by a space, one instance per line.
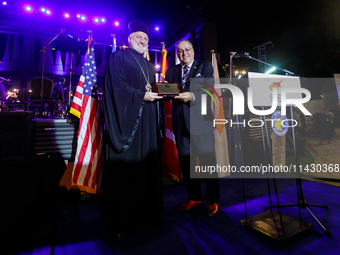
x=89 y=31
x=163 y=44
x=113 y=35
x=212 y=51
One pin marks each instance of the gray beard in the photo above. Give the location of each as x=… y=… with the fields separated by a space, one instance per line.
x=136 y=48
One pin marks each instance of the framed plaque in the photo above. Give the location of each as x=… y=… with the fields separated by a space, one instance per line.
x=167 y=89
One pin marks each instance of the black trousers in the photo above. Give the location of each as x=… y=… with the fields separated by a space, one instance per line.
x=189 y=147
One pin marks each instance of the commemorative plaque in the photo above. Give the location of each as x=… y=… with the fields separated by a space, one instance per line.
x=167 y=89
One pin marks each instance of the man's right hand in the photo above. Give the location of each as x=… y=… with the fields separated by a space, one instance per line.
x=151 y=96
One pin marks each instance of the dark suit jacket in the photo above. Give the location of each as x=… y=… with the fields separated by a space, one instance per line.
x=181 y=111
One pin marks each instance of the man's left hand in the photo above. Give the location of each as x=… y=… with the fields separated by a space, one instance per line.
x=185 y=96
x=151 y=96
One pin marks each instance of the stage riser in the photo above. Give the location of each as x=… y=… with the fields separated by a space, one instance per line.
x=55 y=135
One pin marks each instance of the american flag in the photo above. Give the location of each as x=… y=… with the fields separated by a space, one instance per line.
x=87 y=169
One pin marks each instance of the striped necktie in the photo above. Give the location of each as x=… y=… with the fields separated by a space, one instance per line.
x=185 y=75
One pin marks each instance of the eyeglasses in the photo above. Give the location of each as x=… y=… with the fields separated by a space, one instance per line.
x=182 y=51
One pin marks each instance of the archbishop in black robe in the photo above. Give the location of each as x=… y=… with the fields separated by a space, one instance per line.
x=132 y=188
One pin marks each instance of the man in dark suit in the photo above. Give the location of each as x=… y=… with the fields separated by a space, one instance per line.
x=197 y=138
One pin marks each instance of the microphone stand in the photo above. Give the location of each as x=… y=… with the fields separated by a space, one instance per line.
x=43 y=50
x=68 y=105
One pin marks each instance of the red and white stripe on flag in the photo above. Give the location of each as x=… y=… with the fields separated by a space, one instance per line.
x=87 y=168
x=77 y=98
x=170 y=160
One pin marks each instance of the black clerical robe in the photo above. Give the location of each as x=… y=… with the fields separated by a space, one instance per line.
x=132 y=188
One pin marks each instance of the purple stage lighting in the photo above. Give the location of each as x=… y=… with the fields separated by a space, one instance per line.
x=157 y=28
x=28 y=8
x=66 y=15
x=4 y=3
x=116 y=23
x=78 y=16
x=43 y=9
x=48 y=12
x=96 y=20
x=103 y=20
x=83 y=18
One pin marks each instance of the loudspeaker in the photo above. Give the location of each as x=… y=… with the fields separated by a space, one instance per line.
x=15 y=135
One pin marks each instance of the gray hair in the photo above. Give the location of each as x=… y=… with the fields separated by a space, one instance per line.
x=185 y=40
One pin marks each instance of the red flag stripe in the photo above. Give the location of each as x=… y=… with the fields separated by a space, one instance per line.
x=91 y=135
x=87 y=170
x=82 y=140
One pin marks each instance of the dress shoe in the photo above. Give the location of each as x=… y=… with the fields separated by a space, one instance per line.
x=189 y=205
x=212 y=209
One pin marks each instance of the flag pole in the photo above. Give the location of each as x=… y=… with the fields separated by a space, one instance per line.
x=113 y=43
x=163 y=63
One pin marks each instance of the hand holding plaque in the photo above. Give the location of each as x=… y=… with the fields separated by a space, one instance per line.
x=167 y=89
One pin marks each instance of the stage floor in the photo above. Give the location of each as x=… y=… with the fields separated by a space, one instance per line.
x=76 y=227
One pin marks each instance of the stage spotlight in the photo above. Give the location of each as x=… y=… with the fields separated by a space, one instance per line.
x=271 y=70
x=66 y=15
x=157 y=28
x=116 y=23
x=28 y=8
x=48 y=12
x=78 y=16
x=96 y=20
x=103 y=20
x=43 y=9
x=157 y=66
x=4 y=3
x=83 y=18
